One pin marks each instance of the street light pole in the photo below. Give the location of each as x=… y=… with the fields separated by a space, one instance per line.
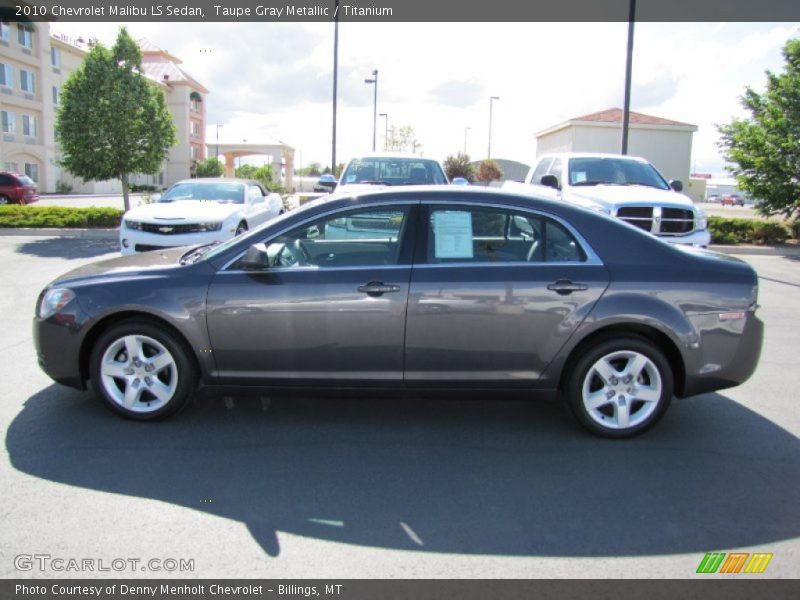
x=374 y=81
x=466 y=129
x=335 y=83
x=491 y=100
x=626 y=112
x=217 y=154
x=385 y=130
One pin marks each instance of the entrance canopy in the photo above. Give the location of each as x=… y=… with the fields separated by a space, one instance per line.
x=281 y=154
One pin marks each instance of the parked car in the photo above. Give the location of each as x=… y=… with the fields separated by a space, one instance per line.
x=732 y=200
x=458 y=288
x=713 y=198
x=626 y=187
x=197 y=211
x=17 y=189
x=388 y=169
x=325 y=184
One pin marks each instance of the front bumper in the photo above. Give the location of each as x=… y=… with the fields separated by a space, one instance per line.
x=57 y=341
x=132 y=241
x=696 y=238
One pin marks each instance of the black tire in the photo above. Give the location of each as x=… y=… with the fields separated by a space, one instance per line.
x=644 y=398
x=241 y=228
x=161 y=391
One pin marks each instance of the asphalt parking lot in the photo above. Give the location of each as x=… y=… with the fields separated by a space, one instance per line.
x=393 y=488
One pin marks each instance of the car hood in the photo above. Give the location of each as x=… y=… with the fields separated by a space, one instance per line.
x=183 y=211
x=621 y=195
x=124 y=266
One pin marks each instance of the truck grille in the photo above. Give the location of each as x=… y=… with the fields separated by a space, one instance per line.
x=658 y=220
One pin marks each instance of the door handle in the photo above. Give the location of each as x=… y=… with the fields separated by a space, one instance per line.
x=377 y=288
x=565 y=286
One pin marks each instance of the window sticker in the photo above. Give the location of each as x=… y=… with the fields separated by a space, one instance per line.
x=578 y=176
x=452 y=231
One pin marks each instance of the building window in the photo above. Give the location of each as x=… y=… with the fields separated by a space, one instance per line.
x=32 y=171
x=11 y=167
x=25 y=36
x=29 y=125
x=194 y=153
x=55 y=56
x=56 y=95
x=195 y=128
x=6 y=75
x=195 y=101
x=27 y=81
x=5 y=31
x=9 y=121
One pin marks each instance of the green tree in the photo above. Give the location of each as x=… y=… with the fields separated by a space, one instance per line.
x=764 y=149
x=261 y=174
x=113 y=122
x=312 y=170
x=459 y=166
x=402 y=139
x=210 y=167
x=489 y=171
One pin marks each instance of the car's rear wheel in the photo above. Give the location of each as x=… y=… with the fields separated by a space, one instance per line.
x=142 y=371
x=620 y=387
x=241 y=228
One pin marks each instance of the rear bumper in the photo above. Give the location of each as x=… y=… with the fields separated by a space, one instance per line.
x=739 y=354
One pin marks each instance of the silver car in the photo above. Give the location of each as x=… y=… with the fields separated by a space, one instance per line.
x=417 y=289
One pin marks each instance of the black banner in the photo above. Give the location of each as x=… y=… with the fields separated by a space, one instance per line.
x=400 y=10
x=349 y=589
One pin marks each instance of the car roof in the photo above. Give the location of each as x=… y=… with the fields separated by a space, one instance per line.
x=592 y=155
x=217 y=180
x=405 y=155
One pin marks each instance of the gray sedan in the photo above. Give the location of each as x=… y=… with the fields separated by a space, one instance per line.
x=431 y=288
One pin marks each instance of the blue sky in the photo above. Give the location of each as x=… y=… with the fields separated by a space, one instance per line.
x=273 y=80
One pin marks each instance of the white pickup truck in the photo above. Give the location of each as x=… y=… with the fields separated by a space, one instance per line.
x=626 y=187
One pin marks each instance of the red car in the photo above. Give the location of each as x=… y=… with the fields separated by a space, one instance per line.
x=732 y=200
x=17 y=189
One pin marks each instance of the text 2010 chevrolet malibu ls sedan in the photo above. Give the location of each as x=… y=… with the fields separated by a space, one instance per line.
x=420 y=288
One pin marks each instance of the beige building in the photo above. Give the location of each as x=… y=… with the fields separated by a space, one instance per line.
x=665 y=143
x=34 y=65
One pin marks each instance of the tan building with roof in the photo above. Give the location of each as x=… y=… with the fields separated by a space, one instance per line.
x=34 y=65
x=664 y=142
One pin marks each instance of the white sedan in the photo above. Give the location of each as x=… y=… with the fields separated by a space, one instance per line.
x=197 y=211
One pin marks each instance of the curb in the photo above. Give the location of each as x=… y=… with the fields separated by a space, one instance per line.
x=90 y=234
x=746 y=249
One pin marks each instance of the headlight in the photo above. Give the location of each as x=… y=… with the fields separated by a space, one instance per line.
x=133 y=224
x=700 y=220
x=54 y=300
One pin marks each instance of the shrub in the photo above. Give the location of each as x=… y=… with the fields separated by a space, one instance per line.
x=730 y=231
x=62 y=187
x=489 y=171
x=135 y=187
x=769 y=232
x=459 y=166
x=58 y=216
x=794 y=228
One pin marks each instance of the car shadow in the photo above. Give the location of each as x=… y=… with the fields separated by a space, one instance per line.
x=70 y=248
x=500 y=477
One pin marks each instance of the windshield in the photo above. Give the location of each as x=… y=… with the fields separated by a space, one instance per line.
x=394 y=171
x=207 y=190
x=614 y=171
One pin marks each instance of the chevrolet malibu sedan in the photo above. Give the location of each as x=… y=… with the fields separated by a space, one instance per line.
x=197 y=211
x=425 y=288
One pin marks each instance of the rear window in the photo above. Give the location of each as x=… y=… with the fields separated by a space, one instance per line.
x=394 y=171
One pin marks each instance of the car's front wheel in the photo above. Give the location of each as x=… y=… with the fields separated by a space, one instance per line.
x=620 y=387
x=142 y=371
x=4 y=199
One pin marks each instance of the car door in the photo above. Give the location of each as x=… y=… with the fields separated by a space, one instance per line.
x=256 y=206
x=329 y=308
x=495 y=293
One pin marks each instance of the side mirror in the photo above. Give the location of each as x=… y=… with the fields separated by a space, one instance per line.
x=256 y=258
x=550 y=181
x=676 y=185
